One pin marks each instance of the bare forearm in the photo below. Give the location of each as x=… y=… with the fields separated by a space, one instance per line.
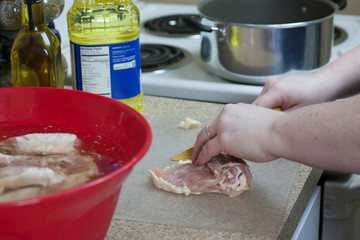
x=323 y=135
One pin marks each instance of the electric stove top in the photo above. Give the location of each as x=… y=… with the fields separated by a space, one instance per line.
x=190 y=79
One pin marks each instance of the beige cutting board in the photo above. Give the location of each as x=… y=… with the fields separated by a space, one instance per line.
x=258 y=211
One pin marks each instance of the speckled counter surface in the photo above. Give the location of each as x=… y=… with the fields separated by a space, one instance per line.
x=301 y=191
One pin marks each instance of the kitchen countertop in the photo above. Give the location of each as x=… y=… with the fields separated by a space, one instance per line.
x=302 y=188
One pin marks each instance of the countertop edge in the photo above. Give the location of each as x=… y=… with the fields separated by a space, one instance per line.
x=300 y=204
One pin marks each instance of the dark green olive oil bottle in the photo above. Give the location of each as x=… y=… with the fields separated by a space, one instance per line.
x=36 y=53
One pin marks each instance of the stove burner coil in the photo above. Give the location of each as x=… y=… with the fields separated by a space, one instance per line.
x=172 y=26
x=340 y=35
x=155 y=57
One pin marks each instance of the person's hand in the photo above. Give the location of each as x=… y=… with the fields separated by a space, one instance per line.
x=241 y=130
x=291 y=92
x=338 y=79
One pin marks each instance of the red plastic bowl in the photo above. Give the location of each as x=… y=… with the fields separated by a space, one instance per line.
x=105 y=126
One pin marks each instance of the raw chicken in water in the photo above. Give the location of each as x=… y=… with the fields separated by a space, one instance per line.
x=40 y=144
x=36 y=164
x=223 y=174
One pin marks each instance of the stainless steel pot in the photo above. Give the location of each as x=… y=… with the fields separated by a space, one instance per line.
x=250 y=40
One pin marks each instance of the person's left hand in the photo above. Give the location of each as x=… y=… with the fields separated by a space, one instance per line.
x=241 y=130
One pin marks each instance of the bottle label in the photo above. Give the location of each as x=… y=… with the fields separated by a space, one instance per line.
x=111 y=70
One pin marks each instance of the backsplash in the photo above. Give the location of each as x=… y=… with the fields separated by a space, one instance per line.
x=353 y=7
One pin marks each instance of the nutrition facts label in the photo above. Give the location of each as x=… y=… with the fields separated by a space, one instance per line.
x=111 y=70
x=95 y=69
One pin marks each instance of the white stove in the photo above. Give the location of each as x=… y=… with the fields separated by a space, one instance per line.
x=193 y=81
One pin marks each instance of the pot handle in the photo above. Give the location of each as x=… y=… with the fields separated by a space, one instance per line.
x=341 y=4
x=191 y=22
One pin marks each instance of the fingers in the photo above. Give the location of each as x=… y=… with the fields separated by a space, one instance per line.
x=235 y=123
x=204 y=136
x=207 y=131
x=270 y=96
x=268 y=100
x=208 y=151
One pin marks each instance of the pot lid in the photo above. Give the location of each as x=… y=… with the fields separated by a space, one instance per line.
x=265 y=12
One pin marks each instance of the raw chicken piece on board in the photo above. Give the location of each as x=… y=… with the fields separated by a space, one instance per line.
x=223 y=174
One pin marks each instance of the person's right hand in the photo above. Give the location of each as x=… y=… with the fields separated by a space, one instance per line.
x=294 y=91
x=338 y=79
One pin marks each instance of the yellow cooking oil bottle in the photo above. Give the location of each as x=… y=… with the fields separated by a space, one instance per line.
x=36 y=53
x=105 y=49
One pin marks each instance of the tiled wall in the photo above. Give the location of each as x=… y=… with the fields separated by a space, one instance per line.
x=353 y=6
